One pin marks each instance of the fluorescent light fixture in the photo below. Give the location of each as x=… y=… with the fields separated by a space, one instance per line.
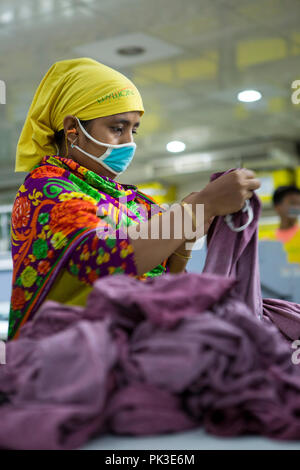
x=248 y=96
x=176 y=146
x=191 y=163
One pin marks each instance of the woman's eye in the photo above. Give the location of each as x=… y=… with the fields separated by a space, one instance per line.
x=119 y=129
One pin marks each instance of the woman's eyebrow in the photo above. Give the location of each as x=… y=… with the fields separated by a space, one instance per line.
x=125 y=121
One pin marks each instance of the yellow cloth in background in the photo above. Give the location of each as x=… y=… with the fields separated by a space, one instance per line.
x=267 y=232
x=292 y=248
x=82 y=87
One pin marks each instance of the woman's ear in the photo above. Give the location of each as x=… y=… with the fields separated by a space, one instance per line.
x=72 y=131
x=70 y=123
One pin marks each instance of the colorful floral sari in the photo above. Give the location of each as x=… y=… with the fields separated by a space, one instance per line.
x=66 y=217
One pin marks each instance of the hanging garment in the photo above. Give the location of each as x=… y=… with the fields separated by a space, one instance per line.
x=235 y=254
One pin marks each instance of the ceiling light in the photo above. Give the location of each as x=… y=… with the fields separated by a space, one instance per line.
x=131 y=50
x=6 y=17
x=248 y=96
x=128 y=49
x=175 y=146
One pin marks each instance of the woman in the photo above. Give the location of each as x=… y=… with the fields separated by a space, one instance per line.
x=72 y=223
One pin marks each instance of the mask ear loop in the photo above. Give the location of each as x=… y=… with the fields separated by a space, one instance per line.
x=70 y=131
x=228 y=218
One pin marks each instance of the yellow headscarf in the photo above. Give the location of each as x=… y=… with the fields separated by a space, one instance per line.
x=82 y=87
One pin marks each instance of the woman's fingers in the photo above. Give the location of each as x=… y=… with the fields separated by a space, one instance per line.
x=250 y=176
x=248 y=173
x=228 y=193
x=250 y=181
x=253 y=183
x=249 y=195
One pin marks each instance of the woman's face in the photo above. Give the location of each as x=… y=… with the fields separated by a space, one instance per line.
x=115 y=129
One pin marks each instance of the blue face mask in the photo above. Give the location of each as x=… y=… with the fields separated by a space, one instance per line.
x=116 y=158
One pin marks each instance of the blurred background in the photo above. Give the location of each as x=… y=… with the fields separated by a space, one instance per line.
x=216 y=79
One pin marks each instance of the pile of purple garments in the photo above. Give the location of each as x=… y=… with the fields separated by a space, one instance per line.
x=164 y=355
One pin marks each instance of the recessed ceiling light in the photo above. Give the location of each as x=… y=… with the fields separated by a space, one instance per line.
x=248 y=96
x=128 y=50
x=176 y=146
x=131 y=50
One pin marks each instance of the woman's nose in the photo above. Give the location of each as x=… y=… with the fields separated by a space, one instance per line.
x=127 y=137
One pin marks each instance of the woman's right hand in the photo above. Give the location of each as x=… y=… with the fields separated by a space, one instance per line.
x=226 y=194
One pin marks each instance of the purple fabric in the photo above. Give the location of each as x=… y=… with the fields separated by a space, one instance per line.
x=167 y=354
x=285 y=315
x=235 y=254
x=117 y=366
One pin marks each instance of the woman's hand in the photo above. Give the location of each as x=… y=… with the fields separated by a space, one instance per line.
x=226 y=194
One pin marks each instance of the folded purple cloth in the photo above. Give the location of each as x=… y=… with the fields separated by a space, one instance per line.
x=285 y=315
x=74 y=373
